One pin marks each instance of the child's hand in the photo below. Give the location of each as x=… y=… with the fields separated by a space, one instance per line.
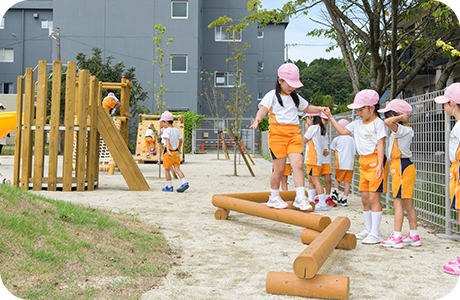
x=404 y=118
x=255 y=124
x=379 y=172
x=169 y=153
x=325 y=152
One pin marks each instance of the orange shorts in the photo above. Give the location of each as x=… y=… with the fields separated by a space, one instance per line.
x=403 y=176
x=344 y=175
x=454 y=185
x=149 y=141
x=287 y=170
x=169 y=161
x=109 y=103
x=368 y=181
x=326 y=169
x=313 y=170
x=284 y=139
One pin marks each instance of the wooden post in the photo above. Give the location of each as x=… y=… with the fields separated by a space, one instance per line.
x=307 y=264
x=18 y=143
x=348 y=242
x=82 y=123
x=54 y=126
x=319 y=287
x=93 y=140
x=302 y=219
x=224 y=146
x=124 y=108
x=26 y=157
x=69 y=120
x=237 y=145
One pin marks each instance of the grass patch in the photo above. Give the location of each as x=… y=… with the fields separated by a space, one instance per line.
x=52 y=249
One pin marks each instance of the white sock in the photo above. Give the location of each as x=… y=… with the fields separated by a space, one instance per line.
x=413 y=233
x=326 y=196
x=183 y=180
x=311 y=195
x=368 y=220
x=322 y=200
x=300 y=192
x=169 y=183
x=397 y=234
x=274 y=193
x=336 y=190
x=345 y=197
x=376 y=218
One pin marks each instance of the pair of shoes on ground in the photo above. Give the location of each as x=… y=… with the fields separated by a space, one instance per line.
x=181 y=189
x=342 y=202
x=452 y=267
x=368 y=237
x=329 y=202
x=399 y=242
x=277 y=202
x=5 y=181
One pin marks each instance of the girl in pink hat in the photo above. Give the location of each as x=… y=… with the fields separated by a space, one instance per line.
x=402 y=172
x=369 y=132
x=284 y=136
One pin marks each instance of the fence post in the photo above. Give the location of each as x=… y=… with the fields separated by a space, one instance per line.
x=193 y=140
x=447 y=172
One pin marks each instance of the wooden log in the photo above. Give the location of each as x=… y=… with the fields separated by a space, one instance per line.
x=348 y=242
x=307 y=264
x=302 y=219
x=261 y=197
x=320 y=286
x=221 y=214
x=18 y=138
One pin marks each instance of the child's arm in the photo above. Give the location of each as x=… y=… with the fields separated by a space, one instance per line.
x=262 y=112
x=179 y=146
x=391 y=122
x=380 y=155
x=311 y=109
x=340 y=129
x=304 y=138
x=167 y=146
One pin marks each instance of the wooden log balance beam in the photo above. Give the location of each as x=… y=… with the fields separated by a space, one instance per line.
x=320 y=286
x=302 y=219
x=348 y=242
x=307 y=264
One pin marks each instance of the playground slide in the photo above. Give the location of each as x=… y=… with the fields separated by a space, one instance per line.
x=7 y=123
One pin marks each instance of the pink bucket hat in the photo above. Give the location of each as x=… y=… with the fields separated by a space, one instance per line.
x=311 y=115
x=166 y=116
x=397 y=105
x=343 y=122
x=451 y=94
x=323 y=116
x=290 y=73
x=365 y=98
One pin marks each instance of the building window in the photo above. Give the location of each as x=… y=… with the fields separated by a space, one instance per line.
x=6 y=55
x=260 y=96
x=224 y=79
x=2 y=23
x=6 y=88
x=260 y=66
x=178 y=63
x=224 y=34
x=179 y=9
x=47 y=24
x=260 y=33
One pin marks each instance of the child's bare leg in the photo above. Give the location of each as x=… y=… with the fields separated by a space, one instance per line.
x=399 y=214
x=296 y=160
x=311 y=185
x=179 y=172
x=366 y=202
x=279 y=165
x=411 y=213
x=168 y=174
x=317 y=185
x=328 y=180
x=346 y=190
x=336 y=184
x=284 y=184
x=374 y=201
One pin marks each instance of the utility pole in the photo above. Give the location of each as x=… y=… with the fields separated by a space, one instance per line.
x=58 y=43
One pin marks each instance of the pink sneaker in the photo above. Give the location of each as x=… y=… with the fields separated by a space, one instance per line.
x=276 y=202
x=411 y=240
x=393 y=242
x=453 y=267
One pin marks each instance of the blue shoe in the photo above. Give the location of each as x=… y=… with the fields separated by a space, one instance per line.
x=167 y=189
x=183 y=188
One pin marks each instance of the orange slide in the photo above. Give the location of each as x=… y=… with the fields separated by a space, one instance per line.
x=7 y=123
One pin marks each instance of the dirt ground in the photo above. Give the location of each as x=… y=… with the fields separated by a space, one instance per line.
x=230 y=259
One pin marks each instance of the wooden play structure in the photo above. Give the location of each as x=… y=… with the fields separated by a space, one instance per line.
x=84 y=118
x=144 y=121
x=323 y=236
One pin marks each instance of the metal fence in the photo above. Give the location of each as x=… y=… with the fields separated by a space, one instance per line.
x=430 y=156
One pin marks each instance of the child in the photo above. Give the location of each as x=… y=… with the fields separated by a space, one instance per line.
x=370 y=133
x=451 y=101
x=345 y=151
x=4 y=180
x=149 y=141
x=314 y=138
x=111 y=103
x=284 y=135
x=326 y=170
x=402 y=172
x=171 y=156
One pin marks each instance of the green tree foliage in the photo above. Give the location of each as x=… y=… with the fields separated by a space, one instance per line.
x=192 y=120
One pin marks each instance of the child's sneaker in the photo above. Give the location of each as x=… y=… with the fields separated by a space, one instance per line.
x=411 y=240
x=453 y=267
x=363 y=234
x=167 y=189
x=343 y=202
x=183 y=188
x=393 y=242
x=276 y=202
x=316 y=200
x=319 y=207
x=4 y=180
x=331 y=202
x=372 y=239
x=303 y=204
x=335 y=196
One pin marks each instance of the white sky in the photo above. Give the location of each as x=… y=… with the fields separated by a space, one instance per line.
x=296 y=34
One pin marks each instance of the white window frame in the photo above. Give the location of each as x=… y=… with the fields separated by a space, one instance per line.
x=2 y=87
x=221 y=31
x=260 y=30
x=228 y=79
x=260 y=96
x=172 y=10
x=2 y=23
x=260 y=66
x=2 y=54
x=171 y=63
x=45 y=24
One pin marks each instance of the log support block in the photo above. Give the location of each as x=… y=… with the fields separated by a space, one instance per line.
x=348 y=242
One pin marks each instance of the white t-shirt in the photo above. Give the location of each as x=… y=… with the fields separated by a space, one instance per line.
x=367 y=134
x=173 y=134
x=288 y=113
x=326 y=159
x=454 y=144
x=149 y=132
x=404 y=137
x=315 y=146
x=345 y=151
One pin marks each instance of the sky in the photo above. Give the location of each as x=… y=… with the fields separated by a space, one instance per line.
x=307 y=48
